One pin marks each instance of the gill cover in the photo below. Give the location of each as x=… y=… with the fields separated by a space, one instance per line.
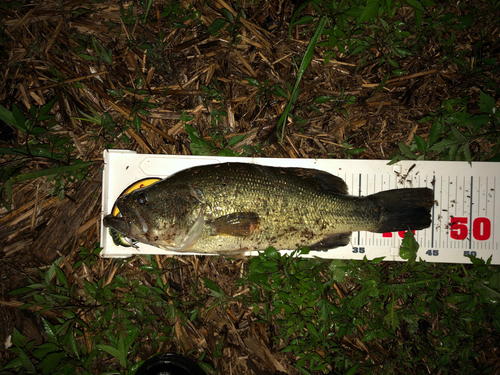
x=169 y=218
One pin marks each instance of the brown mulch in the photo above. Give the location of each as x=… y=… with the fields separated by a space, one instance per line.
x=41 y=59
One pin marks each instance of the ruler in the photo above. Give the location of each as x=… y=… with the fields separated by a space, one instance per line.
x=465 y=217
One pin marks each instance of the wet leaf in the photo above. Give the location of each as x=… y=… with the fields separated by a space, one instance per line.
x=368 y=290
x=217 y=25
x=486 y=102
x=421 y=143
x=303 y=20
x=253 y=82
x=370 y=10
x=236 y=139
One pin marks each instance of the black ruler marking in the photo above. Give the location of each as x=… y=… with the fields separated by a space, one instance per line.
x=470 y=211
x=359 y=194
x=433 y=206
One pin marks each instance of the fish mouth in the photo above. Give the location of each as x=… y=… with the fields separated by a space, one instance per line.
x=128 y=222
x=117 y=223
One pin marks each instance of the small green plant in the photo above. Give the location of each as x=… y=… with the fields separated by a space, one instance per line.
x=213 y=93
x=201 y=146
x=179 y=16
x=335 y=103
x=106 y=56
x=345 y=27
x=217 y=145
x=409 y=248
x=39 y=141
x=431 y=315
x=290 y=291
x=229 y=23
x=250 y=150
x=455 y=131
x=112 y=128
x=139 y=107
x=349 y=151
x=92 y=319
x=128 y=15
x=62 y=352
x=264 y=93
x=155 y=51
x=318 y=307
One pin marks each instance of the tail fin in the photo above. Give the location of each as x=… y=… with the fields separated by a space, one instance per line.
x=401 y=209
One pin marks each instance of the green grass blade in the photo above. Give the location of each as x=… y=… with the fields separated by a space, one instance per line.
x=147 y=10
x=50 y=171
x=13 y=151
x=7 y=116
x=297 y=12
x=302 y=68
x=8 y=191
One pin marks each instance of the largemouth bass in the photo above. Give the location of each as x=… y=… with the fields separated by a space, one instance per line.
x=232 y=208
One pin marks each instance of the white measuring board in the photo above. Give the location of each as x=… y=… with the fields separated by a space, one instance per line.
x=465 y=216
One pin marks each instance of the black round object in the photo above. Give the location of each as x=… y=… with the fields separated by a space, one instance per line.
x=169 y=364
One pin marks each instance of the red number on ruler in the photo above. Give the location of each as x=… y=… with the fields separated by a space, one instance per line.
x=401 y=234
x=458 y=228
x=481 y=228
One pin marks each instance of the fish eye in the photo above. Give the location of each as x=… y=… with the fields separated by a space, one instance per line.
x=142 y=199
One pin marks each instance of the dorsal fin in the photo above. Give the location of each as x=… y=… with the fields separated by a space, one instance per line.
x=324 y=180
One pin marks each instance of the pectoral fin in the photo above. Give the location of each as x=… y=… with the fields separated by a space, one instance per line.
x=241 y=224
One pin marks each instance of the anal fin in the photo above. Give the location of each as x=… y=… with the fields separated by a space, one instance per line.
x=331 y=242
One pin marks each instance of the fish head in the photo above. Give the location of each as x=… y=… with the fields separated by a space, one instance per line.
x=167 y=217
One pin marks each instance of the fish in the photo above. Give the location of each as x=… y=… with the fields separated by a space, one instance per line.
x=232 y=208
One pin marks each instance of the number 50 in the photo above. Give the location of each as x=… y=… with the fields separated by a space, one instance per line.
x=481 y=228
